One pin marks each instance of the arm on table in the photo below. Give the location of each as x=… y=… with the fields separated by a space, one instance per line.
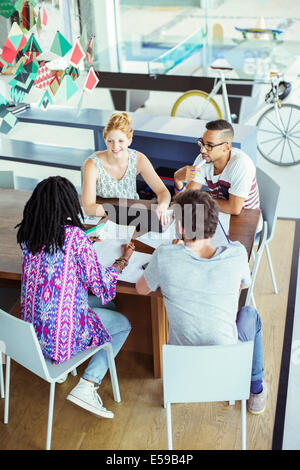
x=88 y=197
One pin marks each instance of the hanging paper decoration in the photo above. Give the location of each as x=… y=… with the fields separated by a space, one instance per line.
x=32 y=47
x=91 y=81
x=44 y=76
x=15 y=41
x=27 y=17
x=89 y=54
x=39 y=22
x=6 y=8
x=3 y=101
x=77 y=54
x=55 y=84
x=21 y=84
x=73 y=72
x=17 y=95
x=60 y=45
x=7 y=120
x=44 y=16
x=46 y=100
x=67 y=89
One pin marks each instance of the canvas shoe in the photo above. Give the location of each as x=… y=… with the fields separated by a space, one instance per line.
x=257 y=401
x=85 y=395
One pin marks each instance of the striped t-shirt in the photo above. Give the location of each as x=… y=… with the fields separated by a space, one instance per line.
x=238 y=178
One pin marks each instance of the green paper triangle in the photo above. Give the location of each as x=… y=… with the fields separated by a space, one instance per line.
x=32 y=45
x=60 y=45
x=67 y=89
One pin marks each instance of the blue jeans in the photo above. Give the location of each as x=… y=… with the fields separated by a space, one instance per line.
x=249 y=329
x=118 y=327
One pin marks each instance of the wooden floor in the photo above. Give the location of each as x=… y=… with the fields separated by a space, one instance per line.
x=139 y=421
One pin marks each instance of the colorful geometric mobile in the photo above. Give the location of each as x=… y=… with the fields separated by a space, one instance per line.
x=46 y=100
x=91 y=81
x=67 y=89
x=60 y=45
x=27 y=17
x=44 y=16
x=73 y=72
x=22 y=82
x=32 y=47
x=90 y=51
x=77 y=54
x=15 y=41
x=7 y=120
x=17 y=95
x=44 y=76
x=6 y=8
x=3 y=101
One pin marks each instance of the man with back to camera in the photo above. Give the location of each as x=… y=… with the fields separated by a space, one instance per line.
x=228 y=172
x=204 y=312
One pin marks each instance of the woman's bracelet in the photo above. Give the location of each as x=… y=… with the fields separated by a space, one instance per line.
x=177 y=189
x=121 y=262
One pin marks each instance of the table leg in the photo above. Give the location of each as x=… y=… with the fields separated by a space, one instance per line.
x=159 y=332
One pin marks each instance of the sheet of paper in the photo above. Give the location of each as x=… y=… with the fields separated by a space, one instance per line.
x=156 y=239
x=219 y=238
x=225 y=221
x=113 y=231
x=134 y=270
x=109 y=250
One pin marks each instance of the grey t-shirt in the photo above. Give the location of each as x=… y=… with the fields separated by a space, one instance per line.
x=201 y=295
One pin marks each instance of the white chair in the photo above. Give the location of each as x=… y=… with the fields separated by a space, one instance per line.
x=261 y=246
x=7 y=179
x=269 y=192
x=21 y=344
x=25 y=183
x=207 y=374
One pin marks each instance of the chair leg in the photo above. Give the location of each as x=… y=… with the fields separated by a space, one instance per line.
x=50 y=416
x=7 y=382
x=113 y=372
x=1 y=376
x=253 y=301
x=243 y=425
x=169 y=426
x=271 y=268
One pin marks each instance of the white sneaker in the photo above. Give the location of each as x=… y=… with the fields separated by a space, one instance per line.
x=85 y=395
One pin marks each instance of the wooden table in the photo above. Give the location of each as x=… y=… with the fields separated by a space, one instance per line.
x=146 y=313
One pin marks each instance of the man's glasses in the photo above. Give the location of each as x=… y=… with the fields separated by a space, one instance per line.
x=208 y=147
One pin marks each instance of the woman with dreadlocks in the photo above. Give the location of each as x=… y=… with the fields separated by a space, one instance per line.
x=59 y=265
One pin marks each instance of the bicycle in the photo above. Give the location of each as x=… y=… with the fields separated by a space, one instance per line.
x=278 y=128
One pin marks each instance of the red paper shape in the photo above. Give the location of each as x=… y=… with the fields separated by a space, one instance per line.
x=44 y=16
x=77 y=54
x=91 y=81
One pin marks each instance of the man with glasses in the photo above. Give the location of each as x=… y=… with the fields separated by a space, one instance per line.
x=228 y=172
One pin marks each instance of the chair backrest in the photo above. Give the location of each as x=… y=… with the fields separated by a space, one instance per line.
x=207 y=373
x=26 y=183
x=7 y=179
x=258 y=255
x=21 y=344
x=269 y=192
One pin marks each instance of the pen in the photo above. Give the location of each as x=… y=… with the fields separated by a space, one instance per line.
x=223 y=231
x=89 y=230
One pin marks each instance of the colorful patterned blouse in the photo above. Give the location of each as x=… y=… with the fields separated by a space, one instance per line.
x=54 y=296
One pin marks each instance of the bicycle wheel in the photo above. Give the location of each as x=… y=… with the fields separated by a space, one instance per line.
x=196 y=105
x=280 y=146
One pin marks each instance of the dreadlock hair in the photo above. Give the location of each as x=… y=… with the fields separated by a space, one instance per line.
x=53 y=204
